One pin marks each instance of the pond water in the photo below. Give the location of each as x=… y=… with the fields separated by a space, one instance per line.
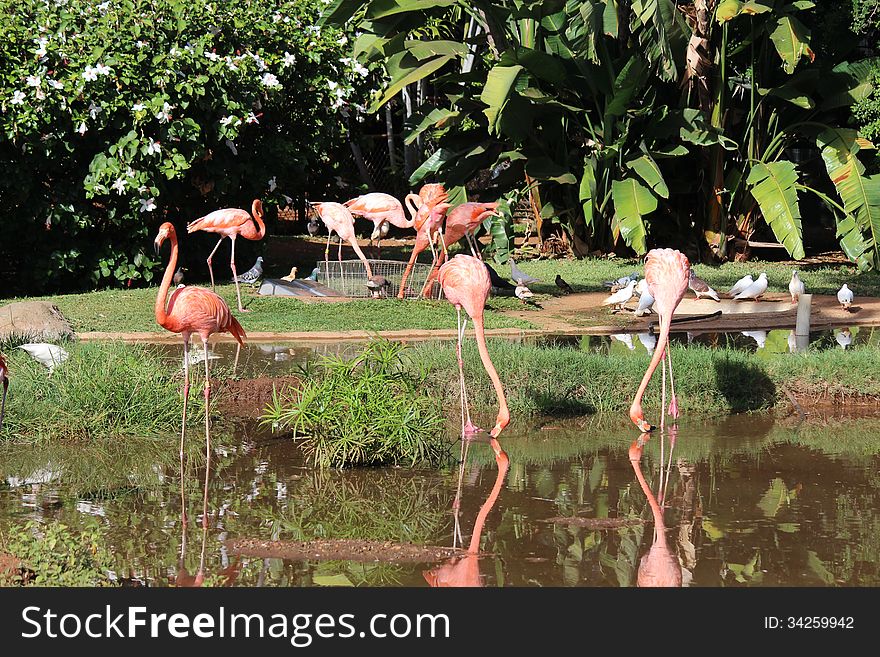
x=745 y=501
x=278 y=359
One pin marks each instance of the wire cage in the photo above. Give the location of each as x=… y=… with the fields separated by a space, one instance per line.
x=349 y=278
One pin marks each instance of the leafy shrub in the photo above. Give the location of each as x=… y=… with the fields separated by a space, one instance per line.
x=53 y=555
x=116 y=116
x=371 y=410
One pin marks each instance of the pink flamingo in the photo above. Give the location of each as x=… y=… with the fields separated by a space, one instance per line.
x=466 y=284
x=429 y=223
x=381 y=208
x=192 y=310
x=659 y=566
x=667 y=272
x=465 y=570
x=231 y=223
x=4 y=378
x=338 y=219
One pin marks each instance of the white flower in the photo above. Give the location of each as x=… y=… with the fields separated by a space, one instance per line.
x=55 y=84
x=102 y=69
x=345 y=61
x=42 y=43
x=103 y=7
x=211 y=55
x=314 y=29
x=251 y=118
x=174 y=51
x=230 y=64
x=138 y=107
x=33 y=81
x=90 y=74
x=148 y=204
x=343 y=40
x=289 y=60
x=141 y=44
x=332 y=85
x=269 y=80
x=261 y=65
x=17 y=98
x=82 y=128
x=276 y=17
x=154 y=147
x=360 y=69
x=226 y=120
x=129 y=172
x=94 y=110
x=119 y=185
x=272 y=184
x=164 y=115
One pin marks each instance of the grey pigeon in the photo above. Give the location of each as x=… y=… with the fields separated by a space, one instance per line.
x=314 y=275
x=519 y=276
x=700 y=287
x=253 y=274
x=313 y=226
x=378 y=286
x=623 y=281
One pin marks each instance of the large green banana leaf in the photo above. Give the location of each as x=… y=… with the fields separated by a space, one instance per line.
x=773 y=186
x=632 y=201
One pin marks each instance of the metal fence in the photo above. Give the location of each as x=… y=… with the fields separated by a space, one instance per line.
x=349 y=277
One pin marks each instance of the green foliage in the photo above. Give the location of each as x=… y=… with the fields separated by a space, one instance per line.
x=371 y=410
x=102 y=391
x=116 y=116
x=54 y=555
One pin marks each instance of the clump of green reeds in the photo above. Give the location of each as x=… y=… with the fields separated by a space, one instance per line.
x=102 y=391
x=371 y=410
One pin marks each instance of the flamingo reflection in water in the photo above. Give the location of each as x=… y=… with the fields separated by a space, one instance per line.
x=464 y=570
x=659 y=566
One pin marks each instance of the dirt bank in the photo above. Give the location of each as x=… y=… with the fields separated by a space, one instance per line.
x=340 y=550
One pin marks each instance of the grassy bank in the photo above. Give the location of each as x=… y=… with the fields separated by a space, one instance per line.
x=132 y=310
x=102 y=392
x=564 y=381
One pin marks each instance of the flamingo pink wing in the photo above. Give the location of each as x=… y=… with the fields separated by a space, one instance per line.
x=198 y=310
x=465 y=282
x=220 y=220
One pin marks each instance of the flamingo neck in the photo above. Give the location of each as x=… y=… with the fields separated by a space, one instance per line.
x=659 y=522
x=413 y=202
x=659 y=351
x=503 y=418
x=257 y=211
x=161 y=297
x=503 y=463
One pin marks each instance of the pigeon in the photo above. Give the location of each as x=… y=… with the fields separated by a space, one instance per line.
x=758 y=336
x=49 y=355
x=700 y=287
x=754 y=290
x=562 y=285
x=648 y=340
x=795 y=286
x=378 y=286
x=646 y=299
x=845 y=297
x=741 y=285
x=523 y=293
x=519 y=276
x=622 y=281
x=178 y=276
x=497 y=281
x=291 y=276
x=314 y=227
x=625 y=338
x=253 y=274
x=621 y=296
x=844 y=338
x=314 y=275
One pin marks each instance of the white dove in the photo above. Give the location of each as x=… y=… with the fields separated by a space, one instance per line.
x=741 y=285
x=49 y=355
x=845 y=297
x=758 y=336
x=795 y=286
x=844 y=338
x=649 y=340
x=621 y=296
x=625 y=338
x=754 y=290
x=646 y=299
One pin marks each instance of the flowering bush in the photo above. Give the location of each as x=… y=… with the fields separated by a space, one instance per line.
x=118 y=115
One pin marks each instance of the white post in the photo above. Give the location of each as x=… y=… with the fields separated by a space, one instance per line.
x=802 y=327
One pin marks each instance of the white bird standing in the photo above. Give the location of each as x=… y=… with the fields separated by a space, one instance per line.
x=621 y=296
x=844 y=338
x=49 y=355
x=700 y=287
x=758 y=336
x=523 y=293
x=845 y=297
x=741 y=285
x=646 y=300
x=754 y=290
x=795 y=286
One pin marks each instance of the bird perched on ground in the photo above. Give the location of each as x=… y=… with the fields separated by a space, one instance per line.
x=519 y=276
x=231 y=223
x=314 y=275
x=50 y=355
x=524 y=294
x=844 y=338
x=701 y=288
x=252 y=275
x=497 y=281
x=646 y=299
x=758 y=336
x=4 y=379
x=755 y=290
x=741 y=285
x=845 y=297
x=795 y=287
x=621 y=296
x=291 y=276
x=378 y=286
x=313 y=226
x=178 y=276
x=562 y=285
x=623 y=281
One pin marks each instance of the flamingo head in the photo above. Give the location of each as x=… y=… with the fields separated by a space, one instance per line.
x=166 y=230
x=638 y=418
x=501 y=421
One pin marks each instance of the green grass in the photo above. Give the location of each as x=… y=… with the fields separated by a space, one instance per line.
x=132 y=311
x=560 y=381
x=587 y=275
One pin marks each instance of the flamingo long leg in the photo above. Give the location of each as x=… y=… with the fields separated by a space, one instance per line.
x=327 y=252
x=457 y=502
x=235 y=278
x=339 y=255
x=207 y=435
x=183 y=425
x=3 y=403
x=663 y=397
x=211 y=258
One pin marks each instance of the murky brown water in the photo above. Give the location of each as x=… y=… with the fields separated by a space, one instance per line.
x=746 y=501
